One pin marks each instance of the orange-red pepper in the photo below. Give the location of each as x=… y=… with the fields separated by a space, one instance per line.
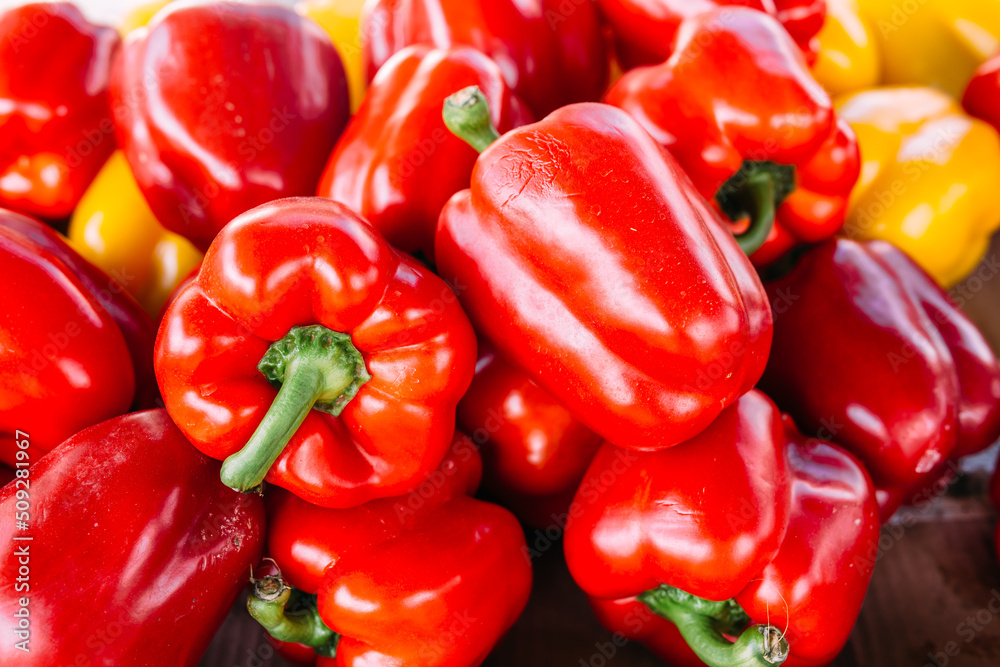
x=550 y=51
x=399 y=169
x=56 y=125
x=780 y=158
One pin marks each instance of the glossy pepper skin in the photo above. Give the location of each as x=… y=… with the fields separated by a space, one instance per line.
x=929 y=178
x=341 y=19
x=56 y=127
x=303 y=294
x=937 y=43
x=749 y=153
x=848 y=58
x=77 y=349
x=113 y=228
x=983 y=92
x=535 y=450
x=398 y=170
x=551 y=57
x=304 y=539
x=210 y=129
x=644 y=30
x=748 y=511
x=586 y=256
x=411 y=580
x=875 y=356
x=137 y=550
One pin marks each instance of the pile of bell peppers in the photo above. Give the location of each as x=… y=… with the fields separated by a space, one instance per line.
x=322 y=307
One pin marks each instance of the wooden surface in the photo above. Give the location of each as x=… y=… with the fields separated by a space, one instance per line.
x=934 y=581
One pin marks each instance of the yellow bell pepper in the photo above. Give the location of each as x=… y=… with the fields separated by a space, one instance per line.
x=848 y=57
x=341 y=19
x=114 y=229
x=140 y=16
x=933 y=42
x=930 y=177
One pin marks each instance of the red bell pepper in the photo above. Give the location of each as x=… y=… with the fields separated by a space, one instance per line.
x=56 y=125
x=982 y=95
x=739 y=109
x=6 y=475
x=411 y=580
x=872 y=354
x=585 y=255
x=399 y=169
x=76 y=348
x=131 y=551
x=132 y=320
x=551 y=51
x=645 y=30
x=536 y=451
x=304 y=539
x=212 y=127
x=749 y=522
x=304 y=295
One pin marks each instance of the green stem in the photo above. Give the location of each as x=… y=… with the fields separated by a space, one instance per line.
x=755 y=191
x=760 y=192
x=467 y=115
x=313 y=367
x=702 y=623
x=290 y=615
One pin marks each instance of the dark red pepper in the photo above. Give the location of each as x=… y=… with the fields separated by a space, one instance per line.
x=77 y=348
x=56 y=125
x=535 y=450
x=586 y=256
x=550 y=51
x=223 y=106
x=136 y=552
x=869 y=352
x=739 y=109
x=132 y=320
x=399 y=169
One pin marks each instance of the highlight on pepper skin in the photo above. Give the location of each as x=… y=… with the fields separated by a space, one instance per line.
x=469 y=333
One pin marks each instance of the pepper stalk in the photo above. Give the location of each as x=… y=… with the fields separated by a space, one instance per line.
x=466 y=114
x=703 y=624
x=756 y=191
x=291 y=616
x=313 y=368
